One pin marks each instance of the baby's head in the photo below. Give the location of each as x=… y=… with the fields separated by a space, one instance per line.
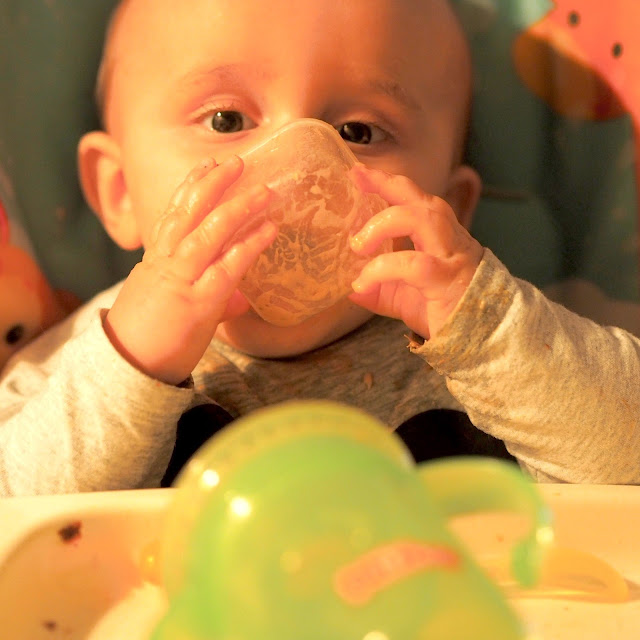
x=185 y=81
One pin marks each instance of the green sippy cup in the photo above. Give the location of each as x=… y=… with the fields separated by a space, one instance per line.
x=309 y=521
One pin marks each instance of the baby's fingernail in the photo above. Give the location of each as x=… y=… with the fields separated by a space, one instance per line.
x=357 y=285
x=200 y=170
x=356 y=243
x=260 y=193
x=269 y=228
x=358 y=169
x=232 y=160
x=260 y=189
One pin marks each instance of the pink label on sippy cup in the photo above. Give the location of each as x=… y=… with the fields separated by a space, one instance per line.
x=357 y=582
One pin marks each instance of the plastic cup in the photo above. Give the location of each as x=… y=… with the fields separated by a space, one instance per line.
x=317 y=207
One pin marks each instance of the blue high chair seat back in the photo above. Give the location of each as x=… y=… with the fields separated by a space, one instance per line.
x=49 y=52
x=560 y=206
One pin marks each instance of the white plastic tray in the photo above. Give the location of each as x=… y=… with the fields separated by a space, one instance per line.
x=74 y=567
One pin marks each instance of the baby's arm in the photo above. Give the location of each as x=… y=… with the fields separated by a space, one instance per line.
x=420 y=286
x=170 y=305
x=560 y=390
x=74 y=414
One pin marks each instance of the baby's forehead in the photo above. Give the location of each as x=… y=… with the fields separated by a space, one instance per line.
x=422 y=21
x=432 y=14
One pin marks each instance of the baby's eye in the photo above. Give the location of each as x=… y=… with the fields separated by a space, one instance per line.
x=360 y=133
x=228 y=121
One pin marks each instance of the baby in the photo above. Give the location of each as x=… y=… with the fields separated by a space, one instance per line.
x=185 y=87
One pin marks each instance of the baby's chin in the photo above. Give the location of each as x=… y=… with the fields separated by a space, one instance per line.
x=251 y=334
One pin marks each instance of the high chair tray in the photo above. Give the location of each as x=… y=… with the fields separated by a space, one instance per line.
x=81 y=566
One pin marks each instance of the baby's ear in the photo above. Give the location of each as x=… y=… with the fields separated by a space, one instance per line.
x=463 y=193
x=105 y=187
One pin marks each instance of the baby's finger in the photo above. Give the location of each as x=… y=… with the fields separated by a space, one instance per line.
x=209 y=240
x=165 y=226
x=395 y=189
x=220 y=280
x=432 y=228
x=421 y=271
x=203 y=187
x=236 y=306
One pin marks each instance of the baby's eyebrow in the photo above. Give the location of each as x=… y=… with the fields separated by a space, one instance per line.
x=394 y=90
x=237 y=75
x=227 y=74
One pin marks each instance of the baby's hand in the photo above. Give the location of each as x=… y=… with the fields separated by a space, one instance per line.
x=170 y=305
x=420 y=286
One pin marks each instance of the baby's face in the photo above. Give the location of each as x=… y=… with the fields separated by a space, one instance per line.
x=209 y=78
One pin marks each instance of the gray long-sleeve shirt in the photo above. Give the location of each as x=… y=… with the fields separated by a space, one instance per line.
x=561 y=391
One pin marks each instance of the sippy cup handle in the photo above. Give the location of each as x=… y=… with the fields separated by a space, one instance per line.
x=464 y=485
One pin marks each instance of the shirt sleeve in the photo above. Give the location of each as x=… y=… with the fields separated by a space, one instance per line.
x=75 y=416
x=562 y=392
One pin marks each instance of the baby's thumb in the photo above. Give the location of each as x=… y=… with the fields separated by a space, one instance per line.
x=236 y=306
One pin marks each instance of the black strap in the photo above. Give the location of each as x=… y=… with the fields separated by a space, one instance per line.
x=195 y=427
x=441 y=433
x=437 y=433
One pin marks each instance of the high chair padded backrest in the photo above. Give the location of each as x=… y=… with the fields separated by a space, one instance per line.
x=560 y=206
x=552 y=136
x=49 y=52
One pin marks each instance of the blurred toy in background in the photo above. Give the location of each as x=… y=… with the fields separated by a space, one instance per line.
x=28 y=305
x=311 y=520
x=554 y=134
x=583 y=60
